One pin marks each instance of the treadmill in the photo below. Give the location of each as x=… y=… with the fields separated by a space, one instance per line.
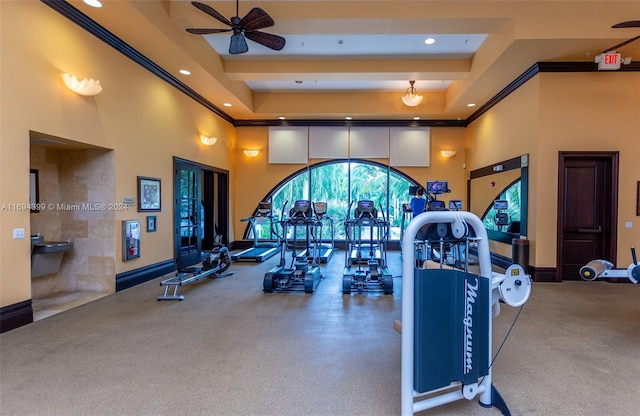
x=261 y=250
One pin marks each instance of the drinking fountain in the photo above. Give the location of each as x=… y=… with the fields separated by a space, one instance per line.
x=46 y=256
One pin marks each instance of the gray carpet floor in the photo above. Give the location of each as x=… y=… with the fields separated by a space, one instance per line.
x=230 y=349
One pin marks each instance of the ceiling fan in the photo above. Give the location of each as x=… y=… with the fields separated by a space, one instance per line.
x=630 y=23
x=249 y=26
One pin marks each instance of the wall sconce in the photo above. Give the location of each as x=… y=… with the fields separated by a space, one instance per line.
x=209 y=141
x=251 y=152
x=411 y=97
x=448 y=152
x=85 y=87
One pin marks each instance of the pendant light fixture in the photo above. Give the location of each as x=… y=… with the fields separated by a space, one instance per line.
x=411 y=97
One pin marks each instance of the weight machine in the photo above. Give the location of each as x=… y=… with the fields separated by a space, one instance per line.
x=366 y=243
x=299 y=276
x=214 y=265
x=446 y=322
x=605 y=270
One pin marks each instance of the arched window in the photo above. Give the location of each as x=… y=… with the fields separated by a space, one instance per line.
x=341 y=183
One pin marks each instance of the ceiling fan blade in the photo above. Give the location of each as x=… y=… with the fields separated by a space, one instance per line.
x=207 y=31
x=267 y=39
x=238 y=44
x=613 y=48
x=211 y=12
x=630 y=23
x=256 y=19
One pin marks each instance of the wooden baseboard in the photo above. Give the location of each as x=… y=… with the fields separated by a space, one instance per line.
x=135 y=277
x=16 y=315
x=544 y=274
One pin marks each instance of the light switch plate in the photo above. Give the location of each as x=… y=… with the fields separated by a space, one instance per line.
x=18 y=233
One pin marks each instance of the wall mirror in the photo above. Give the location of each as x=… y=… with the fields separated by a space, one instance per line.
x=506 y=182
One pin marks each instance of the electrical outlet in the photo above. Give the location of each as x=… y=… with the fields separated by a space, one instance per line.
x=18 y=233
x=628 y=224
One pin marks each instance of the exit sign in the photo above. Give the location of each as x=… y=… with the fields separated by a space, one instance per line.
x=609 y=61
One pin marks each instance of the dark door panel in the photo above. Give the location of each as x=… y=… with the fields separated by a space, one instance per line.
x=587 y=202
x=188 y=215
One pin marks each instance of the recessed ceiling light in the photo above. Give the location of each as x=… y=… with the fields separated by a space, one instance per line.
x=93 y=3
x=227 y=104
x=471 y=105
x=430 y=41
x=416 y=118
x=348 y=118
x=185 y=72
x=282 y=118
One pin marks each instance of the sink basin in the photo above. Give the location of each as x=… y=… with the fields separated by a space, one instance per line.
x=51 y=247
x=37 y=239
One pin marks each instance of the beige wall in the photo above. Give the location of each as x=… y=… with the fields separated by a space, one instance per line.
x=140 y=117
x=597 y=112
x=564 y=112
x=257 y=177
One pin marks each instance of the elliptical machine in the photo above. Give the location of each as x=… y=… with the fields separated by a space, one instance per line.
x=372 y=251
x=299 y=276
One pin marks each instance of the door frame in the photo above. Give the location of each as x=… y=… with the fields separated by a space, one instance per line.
x=610 y=239
x=213 y=184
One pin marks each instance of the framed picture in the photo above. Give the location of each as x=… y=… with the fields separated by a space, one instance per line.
x=148 y=194
x=638 y=200
x=130 y=239
x=151 y=224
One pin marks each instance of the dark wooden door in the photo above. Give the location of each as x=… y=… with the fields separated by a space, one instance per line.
x=587 y=206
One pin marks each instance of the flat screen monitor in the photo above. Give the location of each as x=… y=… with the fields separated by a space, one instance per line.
x=455 y=205
x=500 y=204
x=437 y=187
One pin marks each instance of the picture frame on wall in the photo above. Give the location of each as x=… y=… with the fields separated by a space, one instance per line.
x=149 y=194
x=130 y=239
x=638 y=200
x=151 y=223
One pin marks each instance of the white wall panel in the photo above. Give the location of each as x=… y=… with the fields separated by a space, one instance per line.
x=288 y=144
x=409 y=146
x=369 y=142
x=328 y=142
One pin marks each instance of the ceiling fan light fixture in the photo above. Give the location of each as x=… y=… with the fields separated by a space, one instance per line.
x=411 y=98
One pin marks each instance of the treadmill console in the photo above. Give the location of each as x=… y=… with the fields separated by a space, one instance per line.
x=366 y=208
x=436 y=206
x=301 y=208
x=320 y=208
x=264 y=209
x=500 y=204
